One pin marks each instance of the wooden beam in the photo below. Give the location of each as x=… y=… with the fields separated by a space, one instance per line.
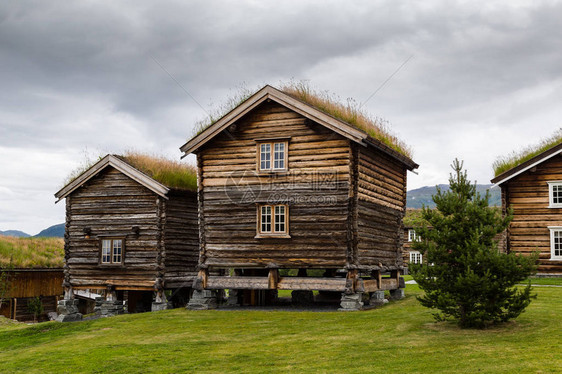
x=370 y=285
x=309 y=283
x=239 y=283
x=204 y=277
x=389 y=284
x=273 y=279
x=283 y=283
x=395 y=274
x=132 y=288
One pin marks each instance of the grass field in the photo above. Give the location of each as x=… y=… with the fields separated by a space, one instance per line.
x=31 y=252
x=400 y=337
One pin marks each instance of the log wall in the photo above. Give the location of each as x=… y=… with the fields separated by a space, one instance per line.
x=181 y=239
x=316 y=188
x=111 y=204
x=528 y=195
x=381 y=207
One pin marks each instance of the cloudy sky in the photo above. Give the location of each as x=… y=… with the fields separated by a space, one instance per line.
x=82 y=78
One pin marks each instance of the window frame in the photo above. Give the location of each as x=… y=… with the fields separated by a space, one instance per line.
x=416 y=253
x=554 y=229
x=111 y=253
x=551 y=185
x=412 y=235
x=272 y=222
x=272 y=143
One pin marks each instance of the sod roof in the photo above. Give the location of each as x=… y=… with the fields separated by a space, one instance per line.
x=154 y=172
x=350 y=113
x=505 y=164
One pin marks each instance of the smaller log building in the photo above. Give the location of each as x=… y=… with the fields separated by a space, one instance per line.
x=131 y=232
x=412 y=219
x=533 y=189
x=30 y=283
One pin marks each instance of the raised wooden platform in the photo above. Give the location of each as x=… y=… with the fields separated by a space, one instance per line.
x=273 y=281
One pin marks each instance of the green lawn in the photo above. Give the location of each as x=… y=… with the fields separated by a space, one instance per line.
x=546 y=281
x=401 y=337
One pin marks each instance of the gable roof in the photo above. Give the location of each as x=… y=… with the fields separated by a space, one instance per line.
x=123 y=167
x=529 y=164
x=270 y=93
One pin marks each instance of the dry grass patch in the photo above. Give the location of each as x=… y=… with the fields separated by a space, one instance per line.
x=350 y=112
x=173 y=174
x=516 y=158
x=31 y=252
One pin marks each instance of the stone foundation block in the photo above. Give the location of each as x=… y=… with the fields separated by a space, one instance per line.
x=351 y=302
x=202 y=300
x=67 y=310
x=377 y=298
x=397 y=294
x=161 y=306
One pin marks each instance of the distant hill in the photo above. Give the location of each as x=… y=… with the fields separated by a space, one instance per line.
x=56 y=231
x=16 y=233
x=422 y=196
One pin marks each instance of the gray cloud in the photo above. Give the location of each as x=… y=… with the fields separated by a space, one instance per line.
x=485 y=78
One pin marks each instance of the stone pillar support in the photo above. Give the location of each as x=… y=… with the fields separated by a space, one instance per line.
x=351 y=302
x=203 y=300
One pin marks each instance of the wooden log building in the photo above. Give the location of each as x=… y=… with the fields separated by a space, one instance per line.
x=284 y=185
x=130 y=233
x=533 y=189
x=27 y=284
x=411 y=220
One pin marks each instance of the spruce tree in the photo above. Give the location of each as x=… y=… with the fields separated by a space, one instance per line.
x=464 y=276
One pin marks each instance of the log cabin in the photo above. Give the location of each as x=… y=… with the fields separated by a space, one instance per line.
x=411 y=220
x=533 y=189
x=131 y=233
x=284 y=185
x=27 y=284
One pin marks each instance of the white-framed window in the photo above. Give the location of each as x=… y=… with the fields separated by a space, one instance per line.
x=111 y=251
x=272 y=156
x=556 y=243
x=412 y=236
x=273 y=219
x=555 y=194
x=415 y=257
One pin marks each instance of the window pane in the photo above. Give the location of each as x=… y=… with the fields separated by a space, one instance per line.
x=265 y=156
x=106 y=251
x=265 y=219
x=117 y=251
x=280 y=218
x=411 y=235
x=279 y=156
x=557 y=194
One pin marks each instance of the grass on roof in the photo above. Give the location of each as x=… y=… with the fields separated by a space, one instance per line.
x=351 y=113
x=516 y=158
x=413 y=218
x=173 y=174
x=31 y=252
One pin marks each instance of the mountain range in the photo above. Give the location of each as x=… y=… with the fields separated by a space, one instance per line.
x=50 y=232
x=422 y=196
